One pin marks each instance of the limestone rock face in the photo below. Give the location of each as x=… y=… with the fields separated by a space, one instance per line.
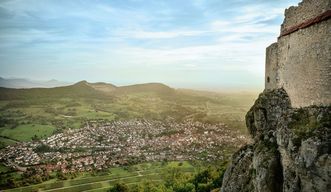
x=238 y=175
x=290 y=152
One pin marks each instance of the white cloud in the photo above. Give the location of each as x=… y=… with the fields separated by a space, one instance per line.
x=220 y=56
x=120 y=36
x=219 y=24
x=141 y=34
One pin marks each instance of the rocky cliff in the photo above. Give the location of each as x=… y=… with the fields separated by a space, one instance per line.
x=290 y=152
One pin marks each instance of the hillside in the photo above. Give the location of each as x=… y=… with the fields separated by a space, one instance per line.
x=77 y=90
x=102 y=87
x=84 y=89
x=158 y=88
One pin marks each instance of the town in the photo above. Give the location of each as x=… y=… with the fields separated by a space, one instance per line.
x=101 y=144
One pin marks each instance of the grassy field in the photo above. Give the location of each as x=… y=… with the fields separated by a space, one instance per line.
x=26 y=132
x=129 y=175
x=4 y=169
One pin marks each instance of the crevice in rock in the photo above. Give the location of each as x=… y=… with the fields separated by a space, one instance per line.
x=299 y=185
x=279 y=177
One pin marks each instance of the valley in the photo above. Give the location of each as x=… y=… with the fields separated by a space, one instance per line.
x=93 y=127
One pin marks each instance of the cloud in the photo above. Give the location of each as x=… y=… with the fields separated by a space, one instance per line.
x=206 y=38
x=140 y=34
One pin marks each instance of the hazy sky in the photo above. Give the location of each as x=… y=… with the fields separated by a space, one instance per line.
x=210 y=44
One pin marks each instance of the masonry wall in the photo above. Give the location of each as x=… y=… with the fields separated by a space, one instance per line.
x=307 y=9
x=304 y=60
x=301 y=61
x=271 y=67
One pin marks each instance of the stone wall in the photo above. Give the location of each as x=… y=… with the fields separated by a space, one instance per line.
x=301 y=61
x=271 y=67
x=306 y=10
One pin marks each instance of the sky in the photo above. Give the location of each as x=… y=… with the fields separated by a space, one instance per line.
x=199 y=44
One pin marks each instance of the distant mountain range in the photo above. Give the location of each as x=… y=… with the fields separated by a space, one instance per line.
x=85 y=89
x=27 y=83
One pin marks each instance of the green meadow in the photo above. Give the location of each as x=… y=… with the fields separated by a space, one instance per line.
x=26 y=132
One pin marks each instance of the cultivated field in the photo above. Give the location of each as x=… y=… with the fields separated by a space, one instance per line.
x=102 y=182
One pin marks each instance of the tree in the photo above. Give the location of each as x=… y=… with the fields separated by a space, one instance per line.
x=185 y=187
x=119 y=187
x=35 y=138
x=202 y=177
x=11 y=183
x=60 y=175
x=203 y=187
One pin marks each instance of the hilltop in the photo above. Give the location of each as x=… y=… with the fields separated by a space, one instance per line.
x=84 y=89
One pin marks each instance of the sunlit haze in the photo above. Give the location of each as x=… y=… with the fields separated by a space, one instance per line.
x=200 y=44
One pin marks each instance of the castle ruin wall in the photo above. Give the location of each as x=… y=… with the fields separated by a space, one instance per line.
x=300 y=62
x=306 y=10
x=271 y=67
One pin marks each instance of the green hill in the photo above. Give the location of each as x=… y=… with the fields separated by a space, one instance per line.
x=84 y=89
x=158 y=88
x=80 y=89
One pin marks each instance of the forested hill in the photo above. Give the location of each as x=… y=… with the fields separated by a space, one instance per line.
x=84 y=89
